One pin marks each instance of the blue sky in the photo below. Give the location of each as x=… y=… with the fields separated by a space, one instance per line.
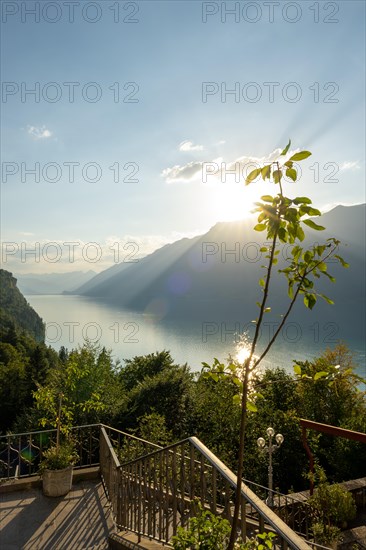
x=310 y=58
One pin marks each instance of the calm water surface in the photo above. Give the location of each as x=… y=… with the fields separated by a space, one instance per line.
x=71 y=319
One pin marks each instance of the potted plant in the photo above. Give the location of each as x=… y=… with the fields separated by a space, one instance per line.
x=56 y=469
x=71 y=394
x=57 y=462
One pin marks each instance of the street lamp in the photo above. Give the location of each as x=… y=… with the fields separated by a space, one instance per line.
x=270 y=448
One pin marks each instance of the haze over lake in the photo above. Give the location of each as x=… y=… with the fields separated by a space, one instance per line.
x=70 y=319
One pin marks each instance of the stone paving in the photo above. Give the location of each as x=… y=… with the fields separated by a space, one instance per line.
x=80 y=520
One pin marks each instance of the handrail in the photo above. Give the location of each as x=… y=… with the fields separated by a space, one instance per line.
x=280 y=495
x=141 y=484
x=269 y=516
x=131 y=436
x=153 y=453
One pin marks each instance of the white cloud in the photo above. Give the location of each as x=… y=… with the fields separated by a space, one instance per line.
x=39 y=132
x=182 y=173
x=218 y=169
x=188 y=146
x=350 y=165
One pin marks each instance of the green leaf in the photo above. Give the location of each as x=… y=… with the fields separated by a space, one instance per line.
x=302 y=200
x=290 y=291
x=263 y=249
x=261 y=282
x=322 y=266
x=330 y=277
x=341 y=260
x=267 y=198
x=253 y=175
x=300 y=156
x=236 y=399
x=300 y=233
x=251 y=407
x=312 y=211
x=286 y=148
x=267 y=310
x=320 y=374
x=297 y=369
x=266 y=172
x=282 y=234
x=328 y=300
x=259 y=227
x=291 y=173
x=237 y=381
x=309 y=300
x=313 y=225
x=289 y=164
x=277 y=175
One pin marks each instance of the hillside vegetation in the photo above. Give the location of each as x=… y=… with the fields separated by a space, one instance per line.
x=14 y=309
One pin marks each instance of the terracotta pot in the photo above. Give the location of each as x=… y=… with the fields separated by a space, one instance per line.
x=57 y=483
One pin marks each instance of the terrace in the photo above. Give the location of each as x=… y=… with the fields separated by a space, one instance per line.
x=130 y=493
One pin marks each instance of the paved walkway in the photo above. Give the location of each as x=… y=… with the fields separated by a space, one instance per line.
x=80 y=520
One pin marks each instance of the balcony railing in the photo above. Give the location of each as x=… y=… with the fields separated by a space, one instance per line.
x=153 y=490
x=21 y=454
x=154 y=494
x=294 y=511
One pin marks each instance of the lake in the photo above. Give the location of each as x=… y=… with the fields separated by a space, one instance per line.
x=71 y=319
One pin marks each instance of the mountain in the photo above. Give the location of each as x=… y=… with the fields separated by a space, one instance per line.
x=214 y=277
x=15 y=310
x=52 y=283
x=99 y=278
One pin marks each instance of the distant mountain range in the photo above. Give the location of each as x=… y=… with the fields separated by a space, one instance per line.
x=214 y=277
x=52 y=283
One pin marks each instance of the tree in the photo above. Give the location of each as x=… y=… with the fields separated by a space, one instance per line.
x=141 y=366
x=329 y=392
x=85 y=385
x=281 y=218
x=168 y=394
x=215 y=418
x=278 y=406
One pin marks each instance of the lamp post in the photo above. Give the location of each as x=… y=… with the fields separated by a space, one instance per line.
x=270 y=448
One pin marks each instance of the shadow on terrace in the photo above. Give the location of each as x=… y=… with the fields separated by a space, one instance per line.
x=128 y=493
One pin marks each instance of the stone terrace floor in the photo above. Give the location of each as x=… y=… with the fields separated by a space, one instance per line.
x=80 y=520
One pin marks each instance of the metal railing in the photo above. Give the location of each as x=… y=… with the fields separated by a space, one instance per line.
x=293 y=510
x=154 y=494
x=21 y=454
x=153 y=490
x=128 y=446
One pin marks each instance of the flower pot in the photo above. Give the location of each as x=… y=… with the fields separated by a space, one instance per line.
x=57 y=483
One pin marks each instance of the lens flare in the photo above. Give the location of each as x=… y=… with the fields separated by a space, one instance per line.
x=242 y=353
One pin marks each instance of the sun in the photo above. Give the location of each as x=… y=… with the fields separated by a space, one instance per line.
x=234 y=201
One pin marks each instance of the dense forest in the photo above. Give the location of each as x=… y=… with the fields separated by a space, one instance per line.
x=162 y=401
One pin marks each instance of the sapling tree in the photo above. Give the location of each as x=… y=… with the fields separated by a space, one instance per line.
x=283 y=219
x=80 y=390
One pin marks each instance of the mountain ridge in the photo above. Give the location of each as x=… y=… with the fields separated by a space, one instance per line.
x=215 y=275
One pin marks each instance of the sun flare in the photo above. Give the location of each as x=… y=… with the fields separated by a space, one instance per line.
x=234 y=201
x=243 y=352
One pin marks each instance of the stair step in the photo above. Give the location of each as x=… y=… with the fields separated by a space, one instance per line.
x=126 y=540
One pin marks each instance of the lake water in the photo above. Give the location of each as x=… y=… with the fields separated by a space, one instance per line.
x=71 y=319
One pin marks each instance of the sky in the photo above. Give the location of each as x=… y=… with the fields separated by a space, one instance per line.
x=120 y=121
